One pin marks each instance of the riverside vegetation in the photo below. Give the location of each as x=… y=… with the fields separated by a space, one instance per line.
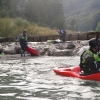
x=44 y=17
x=13 y=27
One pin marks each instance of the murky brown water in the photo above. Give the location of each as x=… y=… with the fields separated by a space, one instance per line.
x=34 y=79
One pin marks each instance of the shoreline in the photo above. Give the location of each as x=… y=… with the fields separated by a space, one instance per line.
x=5 y=57
x=16 y=57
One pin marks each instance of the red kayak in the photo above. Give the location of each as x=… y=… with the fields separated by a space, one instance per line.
x=32 y=51
x=75 y=72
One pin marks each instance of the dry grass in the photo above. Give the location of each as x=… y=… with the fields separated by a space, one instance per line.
x=37 y=30
x=14 y=27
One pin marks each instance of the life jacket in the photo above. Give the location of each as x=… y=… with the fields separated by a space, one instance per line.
x=88 y=53
x=88 y=61
x=24 y=37
x=23 y=40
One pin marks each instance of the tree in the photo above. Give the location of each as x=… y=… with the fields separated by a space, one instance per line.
x=46 y=12
x=85 y=12
x=4 y=6
x=98 y=27
x=73 y=25
x=16 y=8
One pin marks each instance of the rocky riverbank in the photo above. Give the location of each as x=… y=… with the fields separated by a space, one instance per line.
x=69 y=48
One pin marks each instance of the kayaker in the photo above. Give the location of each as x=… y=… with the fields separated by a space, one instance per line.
x=62 y=34
x=23 y=42
x=90 y=59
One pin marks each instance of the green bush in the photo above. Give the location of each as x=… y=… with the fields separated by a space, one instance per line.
x=98 y=27
x=19 y=22
x=19 y=25
x=6 y=28
x=14 y=27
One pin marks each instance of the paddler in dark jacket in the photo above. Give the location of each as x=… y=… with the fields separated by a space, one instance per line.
x=62 y=34
x=23 y=42
x=90 y=59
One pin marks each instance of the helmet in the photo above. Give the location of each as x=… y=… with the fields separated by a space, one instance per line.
x=24 y=30
x=93 y=42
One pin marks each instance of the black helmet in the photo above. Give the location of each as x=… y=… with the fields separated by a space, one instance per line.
x=93 y=42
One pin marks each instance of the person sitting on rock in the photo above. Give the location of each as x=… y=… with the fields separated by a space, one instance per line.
x=90 y=59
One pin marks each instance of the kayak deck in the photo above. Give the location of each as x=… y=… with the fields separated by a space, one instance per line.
x=75 y=72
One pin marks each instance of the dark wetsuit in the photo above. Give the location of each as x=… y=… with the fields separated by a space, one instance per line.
x=62 y=35
x=23 y=42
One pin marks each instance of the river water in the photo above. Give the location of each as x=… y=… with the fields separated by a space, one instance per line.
x=34 y=79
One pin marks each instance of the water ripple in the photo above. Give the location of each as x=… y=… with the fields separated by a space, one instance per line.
x=34 y=79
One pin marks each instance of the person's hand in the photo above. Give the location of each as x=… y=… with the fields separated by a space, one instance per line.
x=15 y=43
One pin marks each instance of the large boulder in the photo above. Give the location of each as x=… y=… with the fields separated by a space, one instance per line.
x=59 y=50
x=81 y=50
x=9 y=49
x=70 y=45
x=18 y=49
x=84 y=43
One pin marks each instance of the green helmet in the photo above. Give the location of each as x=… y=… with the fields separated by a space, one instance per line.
x=24 y=30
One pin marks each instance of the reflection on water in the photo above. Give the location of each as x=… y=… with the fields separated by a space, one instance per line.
x=34 y=79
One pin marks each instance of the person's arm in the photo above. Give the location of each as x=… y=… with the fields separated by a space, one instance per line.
x=90 y=59
x=17 y=40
